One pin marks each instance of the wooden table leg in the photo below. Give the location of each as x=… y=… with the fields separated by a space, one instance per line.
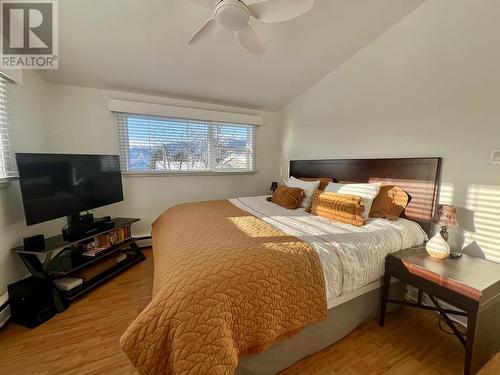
x=483 y=340
x=383 y=300
x=469 y=347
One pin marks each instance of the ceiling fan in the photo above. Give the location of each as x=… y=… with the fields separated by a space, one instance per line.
x=234 y=15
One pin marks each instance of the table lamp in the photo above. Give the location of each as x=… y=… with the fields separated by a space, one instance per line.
x=437 y=246
x=447 y=218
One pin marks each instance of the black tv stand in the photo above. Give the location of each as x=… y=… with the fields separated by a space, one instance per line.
x=59 y=258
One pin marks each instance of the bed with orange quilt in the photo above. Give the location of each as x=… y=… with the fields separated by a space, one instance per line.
x=226 y=284
x=231 y=278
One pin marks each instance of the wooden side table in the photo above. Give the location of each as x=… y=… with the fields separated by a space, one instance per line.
x=470 y=284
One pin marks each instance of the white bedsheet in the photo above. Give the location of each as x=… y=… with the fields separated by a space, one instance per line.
x=352 y=257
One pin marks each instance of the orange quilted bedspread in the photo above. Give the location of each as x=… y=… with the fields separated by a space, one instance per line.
x=226 y=284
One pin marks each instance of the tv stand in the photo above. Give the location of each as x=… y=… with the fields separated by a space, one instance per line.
x=61 y=258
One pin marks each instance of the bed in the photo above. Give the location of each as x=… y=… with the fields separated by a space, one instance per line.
x=249 y=287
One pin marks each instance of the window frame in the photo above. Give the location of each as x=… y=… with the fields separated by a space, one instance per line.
x=11 y=173
x=124 y=149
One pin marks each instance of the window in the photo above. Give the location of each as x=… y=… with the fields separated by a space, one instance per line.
x=150 y=144
x=7 y=166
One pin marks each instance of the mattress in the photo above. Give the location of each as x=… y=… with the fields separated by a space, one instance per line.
x=352 y=257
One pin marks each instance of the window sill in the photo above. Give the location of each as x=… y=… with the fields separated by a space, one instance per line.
x=5 y=182
x=184 y=174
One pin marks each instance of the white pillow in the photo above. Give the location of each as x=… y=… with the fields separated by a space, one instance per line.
x=308 y=186
x=367 y=192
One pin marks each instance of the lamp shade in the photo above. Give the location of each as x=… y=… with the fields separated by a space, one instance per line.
x=448 y=216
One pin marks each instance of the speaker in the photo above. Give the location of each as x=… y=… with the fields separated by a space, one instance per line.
x=31 y=301
x=34 y=243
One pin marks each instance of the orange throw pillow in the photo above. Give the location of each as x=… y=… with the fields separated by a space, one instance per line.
x=338 y=207
x=390 y=202
x=288 y=197
x=323 y=181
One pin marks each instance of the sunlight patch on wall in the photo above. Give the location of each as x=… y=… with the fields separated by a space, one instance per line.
x=446 y=193
x=485 y=202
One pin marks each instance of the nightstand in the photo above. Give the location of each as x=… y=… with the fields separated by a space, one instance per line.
x=470 y=284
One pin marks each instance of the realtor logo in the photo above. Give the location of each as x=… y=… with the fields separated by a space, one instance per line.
x=29 y=34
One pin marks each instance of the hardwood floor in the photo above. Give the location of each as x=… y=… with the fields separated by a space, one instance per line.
x=84 y=339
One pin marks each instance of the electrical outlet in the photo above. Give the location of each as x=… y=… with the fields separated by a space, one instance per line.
x=495 y=157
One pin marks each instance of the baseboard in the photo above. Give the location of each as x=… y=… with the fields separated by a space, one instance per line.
x=144 y=241
x=4 y=309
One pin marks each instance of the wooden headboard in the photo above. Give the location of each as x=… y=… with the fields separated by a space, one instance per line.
x=420 y=177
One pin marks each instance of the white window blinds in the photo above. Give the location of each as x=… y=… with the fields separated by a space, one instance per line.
x=7 y=166
x=151 y=144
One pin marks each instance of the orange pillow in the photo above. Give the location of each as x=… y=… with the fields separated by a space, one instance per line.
x=323 y=181
x=390 y=202
x=338 y=207
x=288 y=197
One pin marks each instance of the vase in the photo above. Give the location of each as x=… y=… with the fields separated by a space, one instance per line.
x=437 y=247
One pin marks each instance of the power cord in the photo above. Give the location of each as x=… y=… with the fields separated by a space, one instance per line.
x=462 y=329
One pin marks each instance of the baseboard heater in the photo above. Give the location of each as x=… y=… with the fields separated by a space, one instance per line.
x=145 y=241
x=4 y=309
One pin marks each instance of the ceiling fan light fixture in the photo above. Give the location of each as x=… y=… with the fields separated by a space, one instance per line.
x=232 y=15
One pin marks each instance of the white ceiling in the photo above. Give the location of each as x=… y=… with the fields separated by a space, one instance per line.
x=140 y=45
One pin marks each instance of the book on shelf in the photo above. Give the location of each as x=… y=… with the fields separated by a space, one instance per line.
x=121 y=234
x=103 y=242
x=92 y=252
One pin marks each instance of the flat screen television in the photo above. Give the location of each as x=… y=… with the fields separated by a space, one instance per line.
x=58 y=185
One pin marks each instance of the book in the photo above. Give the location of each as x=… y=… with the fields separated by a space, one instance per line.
x=113 y=237
x=103 y=241
x=94 y=251
x=121 y=234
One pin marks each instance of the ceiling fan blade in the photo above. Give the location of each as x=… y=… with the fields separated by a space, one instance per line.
x=206 y=31
x=249 y=40
x=210 y=4
x=274 y=11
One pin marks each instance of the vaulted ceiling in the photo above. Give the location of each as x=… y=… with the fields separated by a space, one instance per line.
x=140 y=46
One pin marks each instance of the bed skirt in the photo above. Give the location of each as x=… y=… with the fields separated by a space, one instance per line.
x=342 y=320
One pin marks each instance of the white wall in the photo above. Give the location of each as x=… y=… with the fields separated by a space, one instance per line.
x=71 y=119
x=27 y=113
x=80 y=122
x=430 y=86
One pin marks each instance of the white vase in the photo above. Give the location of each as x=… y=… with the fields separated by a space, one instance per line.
x=437 y=247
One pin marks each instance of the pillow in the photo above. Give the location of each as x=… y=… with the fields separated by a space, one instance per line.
x=323 y=181
x=367 y=192
x=390 y=203
x=290 y=198
x=338 y=207
x=308 y=186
